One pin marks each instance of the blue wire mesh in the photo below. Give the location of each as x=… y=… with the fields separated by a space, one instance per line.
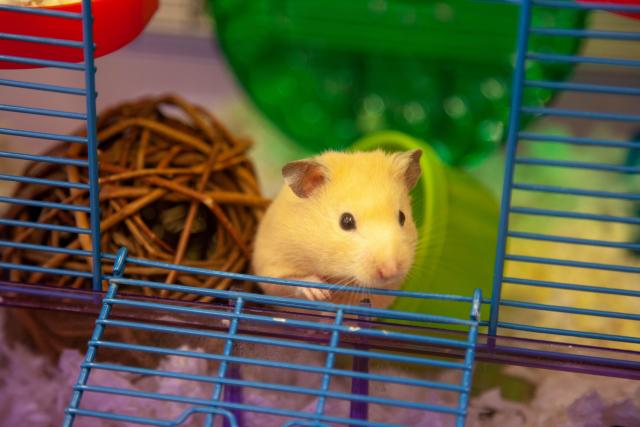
x=552 y=199
x=341 y=332
x=88 y=117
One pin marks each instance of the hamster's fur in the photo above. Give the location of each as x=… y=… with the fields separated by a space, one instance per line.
x=301 y=237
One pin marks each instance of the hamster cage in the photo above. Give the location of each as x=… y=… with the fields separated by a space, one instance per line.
x=347 y=358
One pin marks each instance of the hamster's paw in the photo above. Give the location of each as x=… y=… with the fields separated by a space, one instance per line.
x=314 y=294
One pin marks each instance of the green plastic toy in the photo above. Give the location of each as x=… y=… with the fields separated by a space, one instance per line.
x=457 y=220
x=329 y=71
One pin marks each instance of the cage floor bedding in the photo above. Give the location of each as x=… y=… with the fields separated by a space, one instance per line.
x=34 y=392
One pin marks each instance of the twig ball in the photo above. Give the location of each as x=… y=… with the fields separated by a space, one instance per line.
x=175 y=186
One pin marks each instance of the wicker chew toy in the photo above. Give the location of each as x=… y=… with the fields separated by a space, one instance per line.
x=170 y=190
x=176 y=186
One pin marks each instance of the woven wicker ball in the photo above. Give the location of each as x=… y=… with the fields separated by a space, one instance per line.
x=175 y=186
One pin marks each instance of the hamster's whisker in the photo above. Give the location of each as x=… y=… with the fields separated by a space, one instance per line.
x=417 y=269
x=351 y=282
x=340 y=289
x=425 y=240
x=350 y=298
x=341 y=282
x=359 y=295
x=455 y=266
x=356 y=296
x=334 y=283
x=366 y=295
x=431 y=234
x=412 y=271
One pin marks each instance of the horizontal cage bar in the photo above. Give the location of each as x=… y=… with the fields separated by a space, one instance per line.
x=583 y=87
x=144 y=371
x=47 y=159
x=573 y=240
x=569 y=333
x=603 y=167
x=42 y=12
x=575 y=191
x=46 y=291
x=575 y=215
x=578 y=361
x=43 y=112
x=612 y=7
x=335 y=395
x=50 y=227
x=235 y=359
x=370 y=399
x=591 y=115
x=293 y=322
x=290 y=366
x=43 y=135
x=43 y=181
x=44 y=204
x=592 y=34
x=570 y=263
x=550 y=57
x=571 y=287
x=291 y=302
x=46 y=270
x=43 y=62
x=531 y=136
x=277 y=343
x=42 y=87
x=44 y=248
x=43 y=40
x=569 y=310
x=149 y=421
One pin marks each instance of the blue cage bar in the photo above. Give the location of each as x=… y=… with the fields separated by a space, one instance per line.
x=344 y=320
x=88 y=92
x=518 y=139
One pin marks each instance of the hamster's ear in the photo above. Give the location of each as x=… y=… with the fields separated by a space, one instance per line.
x=304 y=176
x=411 y=165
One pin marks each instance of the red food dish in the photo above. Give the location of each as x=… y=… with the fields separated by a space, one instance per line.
x=115 y=24
x=618 y=2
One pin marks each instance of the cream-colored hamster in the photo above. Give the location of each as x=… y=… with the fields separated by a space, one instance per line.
x=344 y=219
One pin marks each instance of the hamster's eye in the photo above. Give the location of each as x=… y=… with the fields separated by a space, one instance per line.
x=347 y=222
x=401 y=218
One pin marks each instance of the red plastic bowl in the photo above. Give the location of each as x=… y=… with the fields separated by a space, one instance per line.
x=115 y=24
x=621 y=3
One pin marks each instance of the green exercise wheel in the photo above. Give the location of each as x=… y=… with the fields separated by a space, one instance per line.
x=327 y=72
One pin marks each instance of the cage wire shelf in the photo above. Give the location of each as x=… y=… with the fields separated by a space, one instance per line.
x=342 y=332
x=337 y=331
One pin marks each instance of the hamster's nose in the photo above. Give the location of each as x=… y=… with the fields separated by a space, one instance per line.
x=388 y=270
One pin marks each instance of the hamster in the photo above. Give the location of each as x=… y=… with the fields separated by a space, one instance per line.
x=344 y=219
